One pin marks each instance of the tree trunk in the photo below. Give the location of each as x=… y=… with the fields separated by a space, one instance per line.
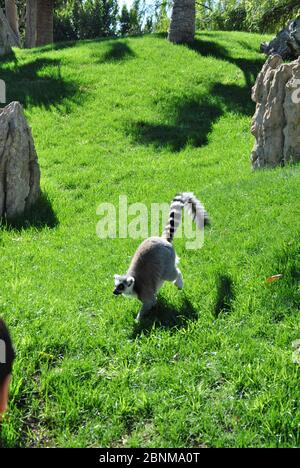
x=39 y=23
x=12 y=16
x=31 y=23
x=182 y=27
x=44 y=22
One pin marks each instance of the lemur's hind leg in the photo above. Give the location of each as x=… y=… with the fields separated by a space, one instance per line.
x=146 y=307
x=179 y=280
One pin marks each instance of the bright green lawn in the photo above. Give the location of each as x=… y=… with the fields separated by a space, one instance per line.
x=146 y=118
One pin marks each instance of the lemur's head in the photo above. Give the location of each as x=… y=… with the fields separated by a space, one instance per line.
x=123 y=285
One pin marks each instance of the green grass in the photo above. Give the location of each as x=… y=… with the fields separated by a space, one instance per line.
x=145 y=118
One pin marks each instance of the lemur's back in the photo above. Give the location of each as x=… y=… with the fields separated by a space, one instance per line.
x=152 y=263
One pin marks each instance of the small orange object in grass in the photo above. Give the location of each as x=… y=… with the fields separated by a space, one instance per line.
x=273 y=278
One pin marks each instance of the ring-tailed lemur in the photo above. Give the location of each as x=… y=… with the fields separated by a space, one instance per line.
x=155 y=260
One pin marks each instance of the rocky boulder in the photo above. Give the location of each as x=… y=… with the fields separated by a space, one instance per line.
x=8 y=38
x=286 y=43
x=19 y=168
x=276 y=122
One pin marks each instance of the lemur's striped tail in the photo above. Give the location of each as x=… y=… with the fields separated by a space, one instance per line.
x=194 y=208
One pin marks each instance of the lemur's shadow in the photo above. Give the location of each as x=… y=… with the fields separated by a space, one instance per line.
x=225 y=295
x=165 y=315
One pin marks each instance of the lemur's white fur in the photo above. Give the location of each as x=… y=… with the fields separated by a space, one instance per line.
x=129 y=291
x=155 y=260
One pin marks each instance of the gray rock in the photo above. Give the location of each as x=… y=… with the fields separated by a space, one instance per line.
x=276 y=122
x=291 y=129
x=182 y=27
x=8 y=38
x=19 y=168
x=286 y=43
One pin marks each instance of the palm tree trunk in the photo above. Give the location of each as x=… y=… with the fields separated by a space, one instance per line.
x=12 y=16
x=44 y=22
x=182 y=27
x=31 y=23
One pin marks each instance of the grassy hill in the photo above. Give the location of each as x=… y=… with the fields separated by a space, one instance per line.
x=145 y=118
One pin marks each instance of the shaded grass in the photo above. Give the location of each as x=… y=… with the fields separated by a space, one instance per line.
x=164 y=315
x=37 y=82
x=39 y=216
x=118 y=51
x=225 y=294
x=170 y=118
x=192 y=122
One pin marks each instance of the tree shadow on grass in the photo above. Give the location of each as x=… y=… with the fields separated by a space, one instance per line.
x=164 y=315
x=40 y=215
x=234 y=98
x=191 y=119
x=38 y=82
x=56 y=46
x=249 y=67
x=118 y=52
x=225 y=295
x=9 y=58
x=192 y=123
